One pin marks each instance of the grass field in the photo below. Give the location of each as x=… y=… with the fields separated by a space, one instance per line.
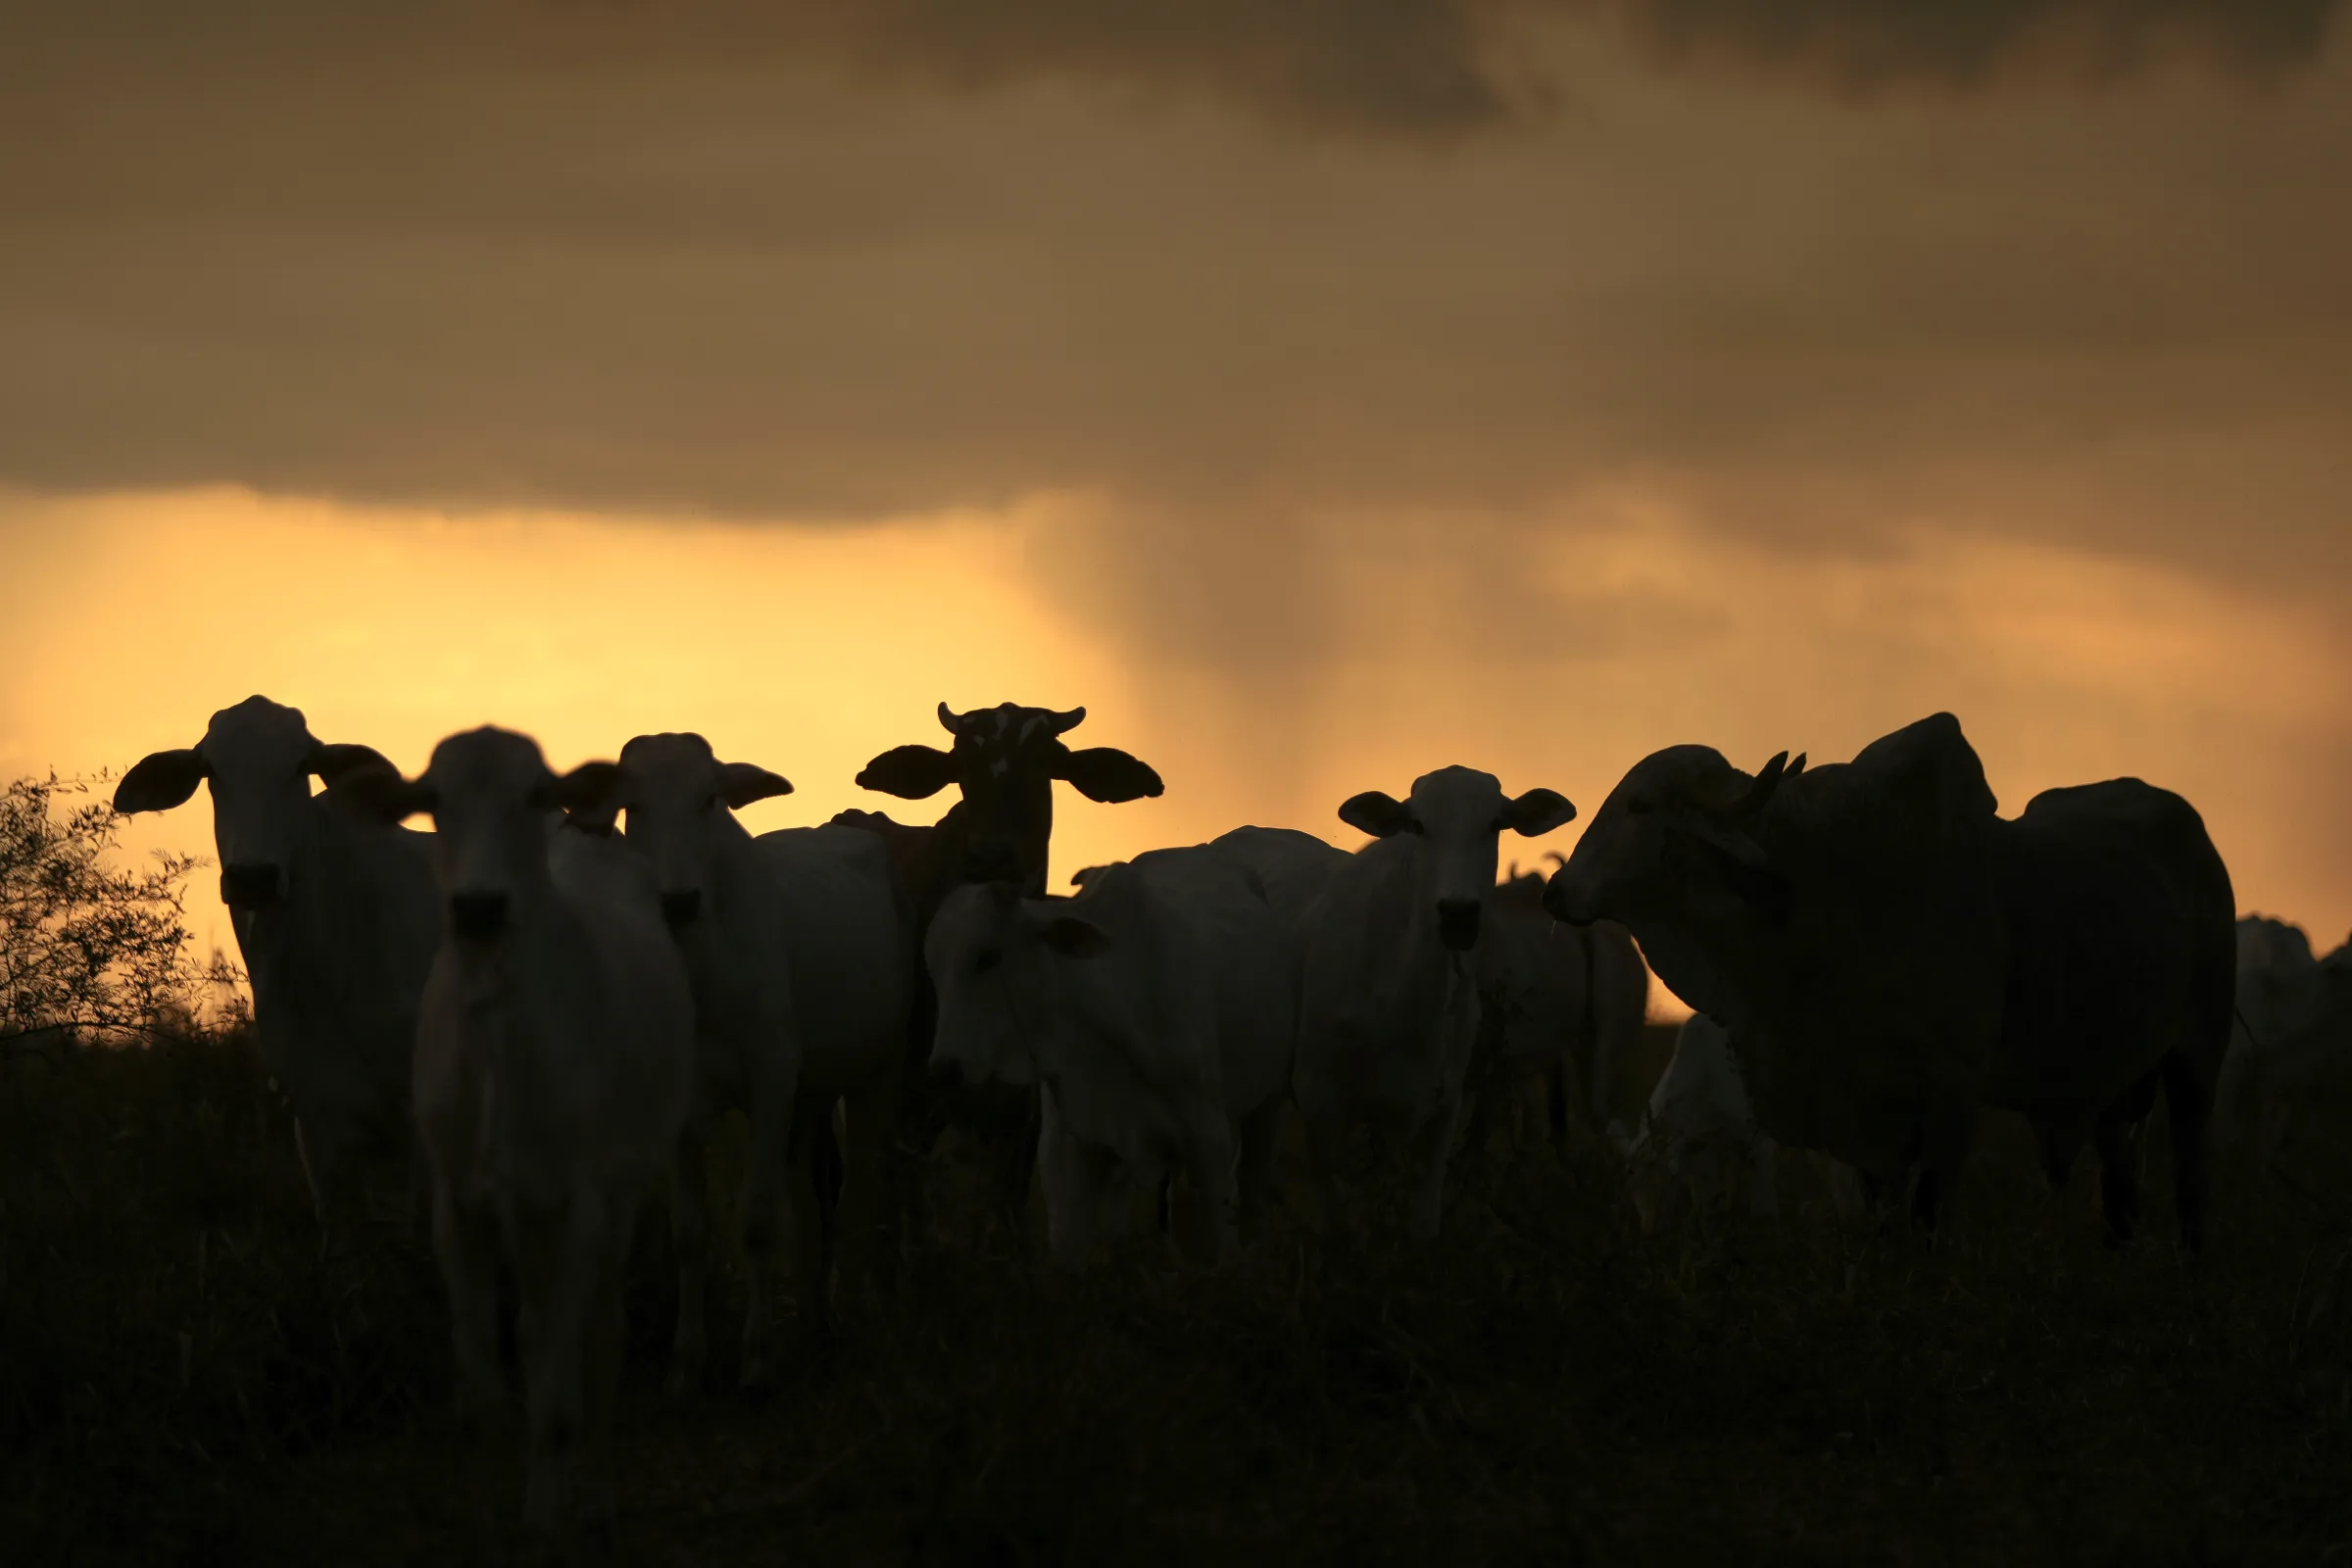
x=182 y=1378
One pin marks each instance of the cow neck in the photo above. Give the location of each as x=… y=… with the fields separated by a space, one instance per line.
x=301 y=953
x=1407 y=955
x=1724 y=968
x=538 y=958
x=734 y=871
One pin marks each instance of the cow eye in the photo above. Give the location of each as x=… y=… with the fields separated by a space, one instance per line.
x=985 y=959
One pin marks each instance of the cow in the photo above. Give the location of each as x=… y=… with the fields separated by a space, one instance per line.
x=1844 y=924
x=2123 y=966
x=554 y=1065
x=1559 y=1005
x=2277 y=1085
x=2276 y=985
x=1155 y=1011
x=791 y=939
x=2304 y=1110
x=1002 y=762
x=1388 y=998
x=336 y=920
x=1699 y=1144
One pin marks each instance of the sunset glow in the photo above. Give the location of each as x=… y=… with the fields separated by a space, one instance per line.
x=810 y=649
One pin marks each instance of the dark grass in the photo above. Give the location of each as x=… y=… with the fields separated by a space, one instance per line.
x=185 y=1380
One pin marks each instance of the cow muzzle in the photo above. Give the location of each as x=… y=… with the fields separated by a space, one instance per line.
x=477 y=917
x=682 y=908
x=1564 y=900
x=1457 y=922
x=252 y=884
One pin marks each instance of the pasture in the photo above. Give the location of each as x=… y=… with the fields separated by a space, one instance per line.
x=183 y=1379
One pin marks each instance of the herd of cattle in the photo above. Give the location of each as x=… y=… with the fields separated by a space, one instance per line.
x=546 y=1010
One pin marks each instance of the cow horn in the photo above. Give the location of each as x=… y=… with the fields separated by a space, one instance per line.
x=1767 y=779
x=949 y=719
x=1064 y=724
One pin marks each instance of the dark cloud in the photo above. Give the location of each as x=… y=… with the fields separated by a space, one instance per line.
x=1860 y=44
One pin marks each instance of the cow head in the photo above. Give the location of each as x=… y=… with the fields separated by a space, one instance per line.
x=1456 y=813
x=678 y=795
x=1004 y=760
x=490 y=795
x=985 y=942
x=259 y=758
x=1675 y=836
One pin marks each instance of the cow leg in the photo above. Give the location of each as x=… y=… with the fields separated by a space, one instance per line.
x=2189 y=1095
x=1208 y=1165
x=2116 y=1139
x=1253 y=1180
x=690 y=1234
x=1425 y=1160
x=868 y=1250
x=607 y=1339
x=332 y=1175
x=1326 y=1148
x=465 y=1246
x=557 y=1253
x=774 y=1159
x=810 y=1152
x=1556 y=1076
x=1943 y=1151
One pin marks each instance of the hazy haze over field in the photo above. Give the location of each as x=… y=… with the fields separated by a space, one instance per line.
x=1319 y=393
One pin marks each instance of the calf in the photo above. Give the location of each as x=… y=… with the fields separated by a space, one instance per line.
x=335 y=917
x=1155 y=1009
x=553 y=1070
x=1388 y=1002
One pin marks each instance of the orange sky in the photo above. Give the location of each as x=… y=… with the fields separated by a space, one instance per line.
x=810 y=650
x=1319 y=394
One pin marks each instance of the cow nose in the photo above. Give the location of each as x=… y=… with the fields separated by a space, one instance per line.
x=682 y=908
x=947 y=1072
x=251 y=884
x=1457 y=923
x=1561 y=902
x=478 y=915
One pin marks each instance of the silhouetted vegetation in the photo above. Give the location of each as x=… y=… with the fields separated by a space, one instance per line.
x=183 y=1377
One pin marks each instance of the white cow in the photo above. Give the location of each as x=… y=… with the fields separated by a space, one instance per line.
x=1699 y=1144
x=554 y=1067
x=336 y=920
x=1389 y=1005
x=1157 y=1009
x=792 y=940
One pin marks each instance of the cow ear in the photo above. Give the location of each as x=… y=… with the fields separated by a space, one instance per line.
x=159 y=781
x=1537 y=812
x=1108 y=774
x=742 y=783
x=381 y=792
x=1377 y=812
x=1075 y=938
x=910 y=773
x=586 y=789
x=331 y=762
